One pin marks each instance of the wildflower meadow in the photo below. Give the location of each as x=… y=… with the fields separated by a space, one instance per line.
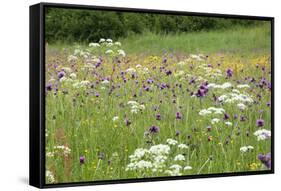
x=157 y=105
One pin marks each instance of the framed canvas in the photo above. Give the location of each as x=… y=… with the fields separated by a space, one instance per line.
x=122 y=95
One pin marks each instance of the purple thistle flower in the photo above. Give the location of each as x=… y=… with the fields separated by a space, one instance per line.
x=209 y=128
x=265 y=159
x=158 y=116
x=191 y=81
x=127 y=122
x=146 y=88
x=98 y=63
x=97 y=94
x=168 y=72
x=154 y=129
x=61 y=74
x=133 y=75
x=268 y=104
x=178 y=115
x=226 y=116
x=49 y=87
x=164 y=60
x=269 y=86
x=149 y=81
x=177 y=133
x=203 y=89
x=82 y=159
x=200 y=93
x=260 y=122
x=229 y=72
x=242 y=118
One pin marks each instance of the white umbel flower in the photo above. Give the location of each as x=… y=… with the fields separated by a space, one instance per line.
x=183 y=146
x=93 y=44
x=179 y=157
x=121 y=52
x=262 y=134
x=215 y=120
x=172 y=141
x=115 y=118
x=109 y=51
x=50 y=177
x=245 y=149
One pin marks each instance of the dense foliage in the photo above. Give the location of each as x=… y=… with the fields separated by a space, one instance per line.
x=72 y=25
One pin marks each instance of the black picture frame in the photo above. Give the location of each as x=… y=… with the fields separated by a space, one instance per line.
x=37 y=94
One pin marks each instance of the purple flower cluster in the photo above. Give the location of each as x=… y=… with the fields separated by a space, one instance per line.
x=178 y=115
x=260 y=122
x=229 y=72
x=82 y=159
x=61 y=74
x=203 y=89
x=154 y=129
x=265 y=159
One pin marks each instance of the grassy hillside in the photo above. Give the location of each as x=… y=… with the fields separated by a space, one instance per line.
x=245 y=41
x=240 y=40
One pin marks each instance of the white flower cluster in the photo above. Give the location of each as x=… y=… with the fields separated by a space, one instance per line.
x=81 y=84
x=241 y=106
x=93 y=44
x=235 y=97
x=183 y=146
x=153 y=158
x=184 y=62
x=211 y=110
x=179 y=157
x=199 y=57
x=228 y=123
x=81 y=53
x=215 y=120
x=131 y=70
x=240 y=86
x=179 y=73
x=139 y=68
x=262 y=134
x=218 y=86
x=105 y=82
x=172 y=141
x=121 y=52
x=160 y=149
x=109 y=44
x=175 y=170
x=72 y=58
x=135 y=106
x=115 y=118
x=245 y=149
x=158 y=159
x=214 y=73
x=49 y=177
x=61 y=148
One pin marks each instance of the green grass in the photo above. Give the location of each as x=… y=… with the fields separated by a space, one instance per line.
x=239 y=40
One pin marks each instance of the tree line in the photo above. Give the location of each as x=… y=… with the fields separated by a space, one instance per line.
x=76 y=25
